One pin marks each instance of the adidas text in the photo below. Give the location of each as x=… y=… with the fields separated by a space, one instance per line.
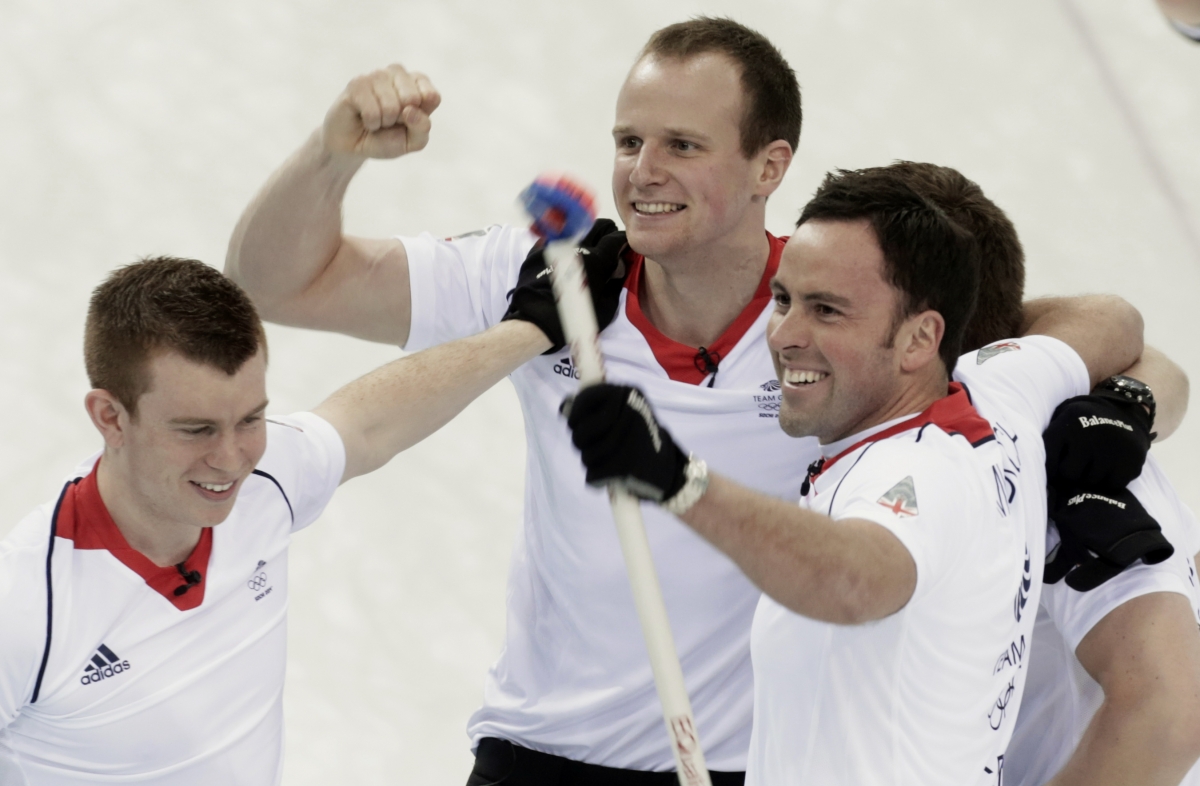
x=104 y=664
x=1099 y=421
x=565 y=368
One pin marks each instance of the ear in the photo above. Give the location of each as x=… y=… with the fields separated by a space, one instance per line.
x=774 y=160
x=108 y=415
x=920 y=338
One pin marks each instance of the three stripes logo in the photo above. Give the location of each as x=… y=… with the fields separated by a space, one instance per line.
x=104 y=664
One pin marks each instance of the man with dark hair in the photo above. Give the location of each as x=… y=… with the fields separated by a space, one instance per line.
x=143 y=612
x=890 y=641
x=705 y=128
x=999 y=309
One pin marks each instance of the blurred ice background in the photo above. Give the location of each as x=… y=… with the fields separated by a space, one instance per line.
x=130 y=127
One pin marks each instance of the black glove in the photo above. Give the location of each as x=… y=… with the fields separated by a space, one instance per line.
x=1102 y=534
x=1097 y=442
x=532 y=300
x=621 y=442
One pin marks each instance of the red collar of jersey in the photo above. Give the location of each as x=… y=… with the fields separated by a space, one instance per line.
x=82 y=517
x=681 y=362
x=953 y=413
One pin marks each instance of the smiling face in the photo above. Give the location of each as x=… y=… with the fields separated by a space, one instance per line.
x=680 y=179
x=197 y=435
x=831 y=334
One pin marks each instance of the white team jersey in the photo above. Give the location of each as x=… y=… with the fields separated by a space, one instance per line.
x=574 y=678
x=113 y=674
x=928 y=695
x=1061 y=697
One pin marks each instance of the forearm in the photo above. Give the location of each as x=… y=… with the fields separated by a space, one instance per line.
x=1127 y=744
x=1170 y=385
x=1105 y=330
x=292 y=230
x=847 y=572
x=398 y=405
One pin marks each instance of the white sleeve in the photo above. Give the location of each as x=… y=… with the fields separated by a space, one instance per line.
x=460 y=286
x=23 y=611
x=915 y=494
x=306 y=458
x=1076 y=613
x=1032 y=375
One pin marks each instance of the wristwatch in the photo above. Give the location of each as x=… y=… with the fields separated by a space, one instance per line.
x=1131 y=389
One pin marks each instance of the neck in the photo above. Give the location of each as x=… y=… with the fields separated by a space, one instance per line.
x=692 y=299
x=162 y=542
x=909 y=401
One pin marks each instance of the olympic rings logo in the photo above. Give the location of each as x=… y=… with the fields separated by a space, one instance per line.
x=258 y=582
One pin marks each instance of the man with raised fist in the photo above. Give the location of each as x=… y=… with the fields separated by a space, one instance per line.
x=706 y=125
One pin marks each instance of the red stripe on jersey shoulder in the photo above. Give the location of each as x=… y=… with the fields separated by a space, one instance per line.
x=84 y=519
x=953 y=413
x=679 y=360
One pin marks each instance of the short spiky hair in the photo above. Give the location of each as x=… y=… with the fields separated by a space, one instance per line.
x=999 y=310
x=772 y=94
x=930 y=259
x=166 y=304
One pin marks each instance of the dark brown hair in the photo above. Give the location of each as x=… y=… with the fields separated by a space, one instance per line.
x=166 y=304
x=998 y=312
x=772 y=94
x=930 y=259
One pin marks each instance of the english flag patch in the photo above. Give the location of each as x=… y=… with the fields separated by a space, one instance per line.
x=987 y=353
x=901 y=498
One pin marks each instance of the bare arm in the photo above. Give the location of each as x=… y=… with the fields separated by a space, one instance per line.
x=1185 y=11
x=1146 y=656
x=1170 y=385
x=847 y=572
x=1105 y=330
x=398 y=405
x=288 y=250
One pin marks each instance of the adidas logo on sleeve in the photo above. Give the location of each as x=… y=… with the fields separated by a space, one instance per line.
x=104 y=664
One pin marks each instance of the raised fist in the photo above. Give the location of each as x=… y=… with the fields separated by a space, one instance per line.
x=383 y=114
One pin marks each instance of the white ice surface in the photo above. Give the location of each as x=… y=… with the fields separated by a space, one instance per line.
x=131 y=128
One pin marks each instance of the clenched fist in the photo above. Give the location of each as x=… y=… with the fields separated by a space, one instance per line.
x=383 y=114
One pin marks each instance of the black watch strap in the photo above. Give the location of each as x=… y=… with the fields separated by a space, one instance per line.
x=1131 y=389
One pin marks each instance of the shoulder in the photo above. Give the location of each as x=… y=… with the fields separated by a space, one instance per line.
x=25 y=563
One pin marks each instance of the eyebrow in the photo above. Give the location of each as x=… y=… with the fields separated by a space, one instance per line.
x=672 y=132
x=209 y=422
x=826 y=297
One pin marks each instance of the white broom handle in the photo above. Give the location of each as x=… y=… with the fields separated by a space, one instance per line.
x=579 y=326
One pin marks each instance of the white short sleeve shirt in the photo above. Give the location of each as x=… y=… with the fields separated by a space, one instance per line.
x=574 y=678
x=930 y=694
x=1061 y=697
x=119 y=671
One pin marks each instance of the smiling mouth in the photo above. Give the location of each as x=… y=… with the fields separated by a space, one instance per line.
x=216 y=488
x=658 y=208
x=800 y=378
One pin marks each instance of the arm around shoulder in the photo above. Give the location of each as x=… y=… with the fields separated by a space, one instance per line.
x=1104 y=330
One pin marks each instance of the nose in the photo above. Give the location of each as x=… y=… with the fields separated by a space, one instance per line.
x=227 y=454
x=647 y=168
x=788 y=332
